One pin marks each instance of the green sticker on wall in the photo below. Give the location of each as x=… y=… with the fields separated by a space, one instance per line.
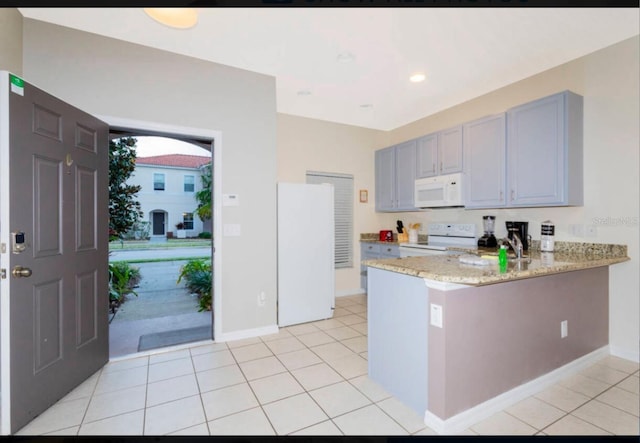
x=17 y=84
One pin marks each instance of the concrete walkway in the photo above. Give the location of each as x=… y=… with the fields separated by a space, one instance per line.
x=161 y=305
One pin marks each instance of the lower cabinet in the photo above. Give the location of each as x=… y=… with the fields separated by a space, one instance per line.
x=372 y=251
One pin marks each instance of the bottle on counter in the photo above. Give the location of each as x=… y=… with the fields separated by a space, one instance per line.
x=502 y=258
x=547 y=229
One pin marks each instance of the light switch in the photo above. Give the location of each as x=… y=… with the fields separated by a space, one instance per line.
x=230 y=200
x=231 y=230
x=436 y=315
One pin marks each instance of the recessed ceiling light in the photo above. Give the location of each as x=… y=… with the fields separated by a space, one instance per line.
x=181 y=18
x=346 y=57
x=417 y=77
x=304 y=92
x=366 y=106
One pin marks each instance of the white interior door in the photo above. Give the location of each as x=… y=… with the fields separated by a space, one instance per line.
x=54 y=235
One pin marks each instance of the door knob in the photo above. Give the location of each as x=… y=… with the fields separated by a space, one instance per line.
x=19 y=272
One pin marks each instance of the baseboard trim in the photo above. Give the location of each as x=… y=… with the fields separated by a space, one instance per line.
x=463 y=420
x=633 y=356
x=347 y=292
x=247 y=333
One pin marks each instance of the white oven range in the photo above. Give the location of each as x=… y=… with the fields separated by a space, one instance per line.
x=440 y=237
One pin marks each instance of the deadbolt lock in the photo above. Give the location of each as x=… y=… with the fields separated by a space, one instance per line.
x=18 y=244
x=19 y=272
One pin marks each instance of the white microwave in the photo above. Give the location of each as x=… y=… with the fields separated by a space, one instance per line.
x=439 y=192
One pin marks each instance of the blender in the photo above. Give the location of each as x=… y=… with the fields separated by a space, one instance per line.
x=488 y=240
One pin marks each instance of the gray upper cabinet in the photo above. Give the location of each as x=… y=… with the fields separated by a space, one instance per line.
x=405 y=175
x=484 y=162
x=427 y=156
x=450 y=150
x=385 y=179
x=544 y=152
x=395 y=177
x=529 y=156
x=439 y=153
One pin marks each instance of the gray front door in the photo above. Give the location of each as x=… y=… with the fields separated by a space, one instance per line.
x=158 y=223
x=54 y=199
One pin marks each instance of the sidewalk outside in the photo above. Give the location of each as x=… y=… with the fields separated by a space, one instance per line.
x=161 y=304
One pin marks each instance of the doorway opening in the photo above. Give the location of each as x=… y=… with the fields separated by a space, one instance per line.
x=158 y=218
x=172 y=236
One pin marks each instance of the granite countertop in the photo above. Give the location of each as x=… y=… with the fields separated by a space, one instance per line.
x=448 y=268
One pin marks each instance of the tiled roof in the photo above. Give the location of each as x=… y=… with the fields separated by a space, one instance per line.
x=175 y=160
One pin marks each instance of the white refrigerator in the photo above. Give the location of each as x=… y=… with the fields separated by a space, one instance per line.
x=306 y=273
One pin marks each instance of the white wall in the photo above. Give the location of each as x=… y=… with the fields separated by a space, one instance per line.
x=609 y=82
x=109 y=77
x=174 y=200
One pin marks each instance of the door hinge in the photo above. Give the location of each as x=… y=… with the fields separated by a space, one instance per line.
x=4 y=248
x=3 y=274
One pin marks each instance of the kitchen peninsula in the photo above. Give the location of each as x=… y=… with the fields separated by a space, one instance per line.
x=458 y=342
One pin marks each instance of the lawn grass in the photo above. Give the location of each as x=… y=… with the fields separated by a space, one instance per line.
x=170 y=243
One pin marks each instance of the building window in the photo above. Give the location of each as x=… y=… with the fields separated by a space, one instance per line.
x=158 y=182
x=187 y=219
x=189 y=183
x=343 y=213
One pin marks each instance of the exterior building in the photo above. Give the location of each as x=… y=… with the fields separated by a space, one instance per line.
x=167 y=194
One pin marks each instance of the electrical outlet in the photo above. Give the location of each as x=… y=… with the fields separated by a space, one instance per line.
x=436 y=315
x=262 y=299
x=564 y=329
x=591 y=231
x=576 y=230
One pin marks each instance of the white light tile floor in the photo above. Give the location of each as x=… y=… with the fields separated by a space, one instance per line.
x=311 y=379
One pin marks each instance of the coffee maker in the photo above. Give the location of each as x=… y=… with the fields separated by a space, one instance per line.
x=522 y=229
x=488 y=240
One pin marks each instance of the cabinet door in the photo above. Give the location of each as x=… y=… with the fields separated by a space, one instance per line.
x=405 y=175
x=385 y=179
x=484 y=162
x=538 y=143
x=427 y=156
x=368 y=251
x=389 y=251
x=450 y=150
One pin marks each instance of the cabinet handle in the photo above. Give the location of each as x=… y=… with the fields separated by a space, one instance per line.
x=440 y=166
x=434 y=168
x=512 y=194
x=501 y=195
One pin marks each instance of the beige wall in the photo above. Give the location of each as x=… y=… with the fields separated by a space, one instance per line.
x=11 y=40
x=109 y=77
x=306 y=144
x=608 y=81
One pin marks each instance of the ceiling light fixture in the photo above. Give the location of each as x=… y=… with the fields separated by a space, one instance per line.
x=181 y=18
x=417 y=77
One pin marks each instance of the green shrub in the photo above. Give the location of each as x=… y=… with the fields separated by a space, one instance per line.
x=198 y=279
x=205 y=235
x=122 y=279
